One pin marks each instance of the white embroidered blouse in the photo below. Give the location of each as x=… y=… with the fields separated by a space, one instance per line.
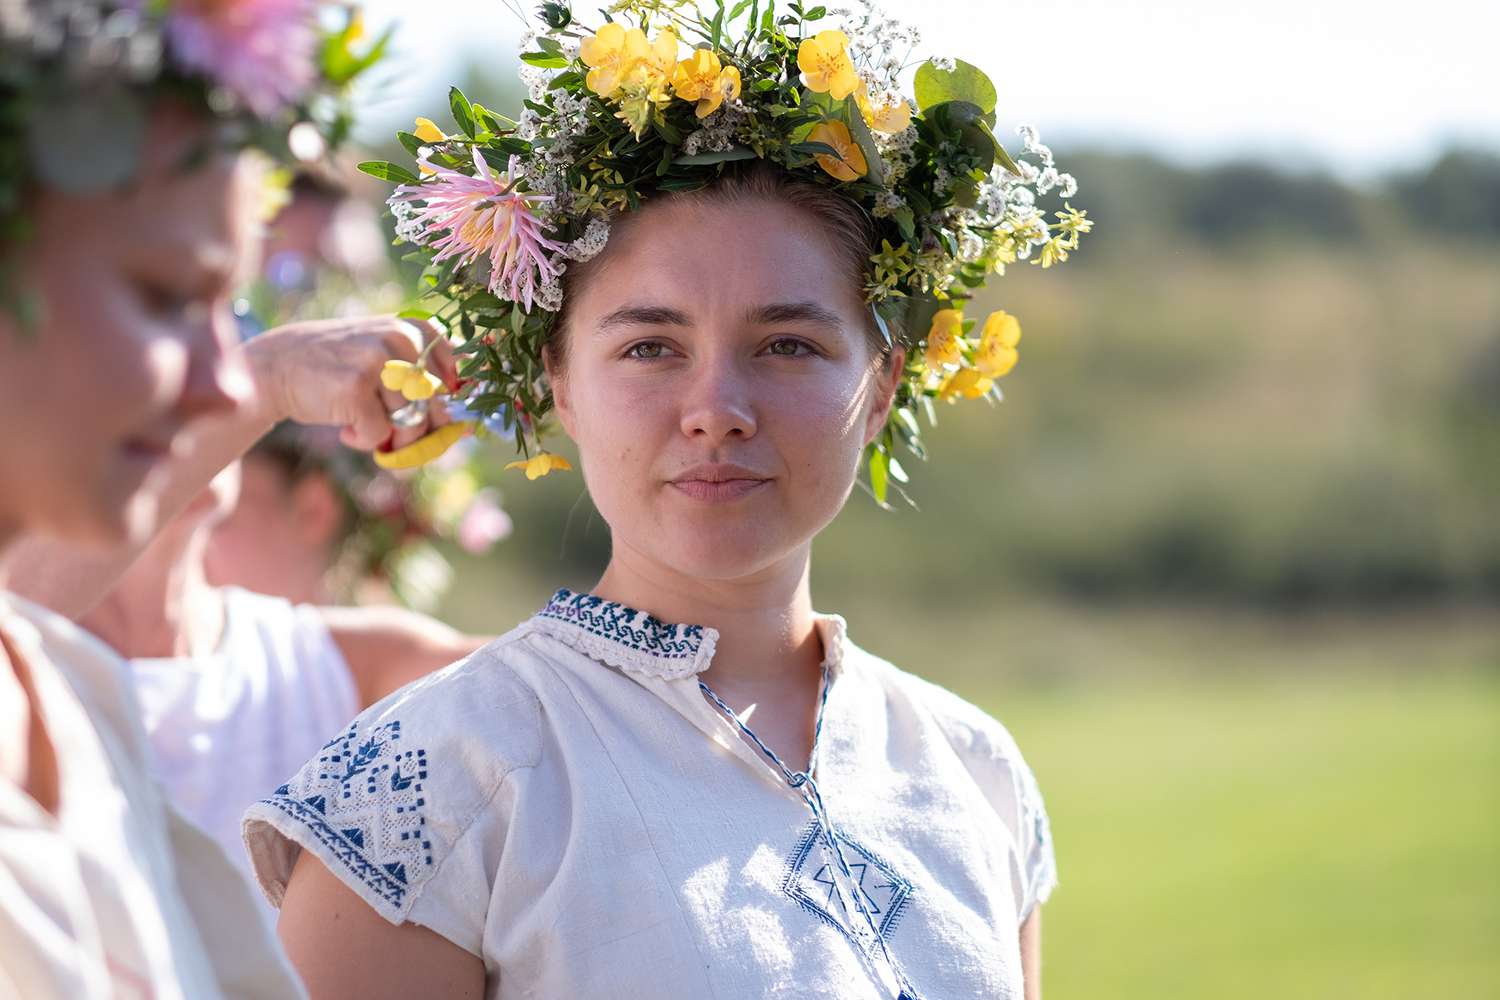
x=567 y=805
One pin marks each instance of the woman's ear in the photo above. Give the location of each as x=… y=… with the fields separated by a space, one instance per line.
x=887 y=380
x=562 y=402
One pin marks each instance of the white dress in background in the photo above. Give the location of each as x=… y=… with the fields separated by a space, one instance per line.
x=117 y=896
x=568 y=806
x=226 y=729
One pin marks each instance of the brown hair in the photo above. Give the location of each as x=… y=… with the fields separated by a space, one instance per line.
x=851 y=229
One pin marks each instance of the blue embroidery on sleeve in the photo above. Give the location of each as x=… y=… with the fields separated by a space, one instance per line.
x=631 y=628
x=362 y=798
x=809 y=880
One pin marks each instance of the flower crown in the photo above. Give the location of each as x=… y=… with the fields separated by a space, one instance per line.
x=498 y=209
x=77 y=78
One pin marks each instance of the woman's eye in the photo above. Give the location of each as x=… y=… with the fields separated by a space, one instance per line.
x=165 y=302
x=789 y=347
x=645 y=350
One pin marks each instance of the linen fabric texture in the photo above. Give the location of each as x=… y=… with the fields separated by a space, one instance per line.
x=568 y=806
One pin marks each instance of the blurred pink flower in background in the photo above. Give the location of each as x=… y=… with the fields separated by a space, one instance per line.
x=483 y=524
x=261 y=51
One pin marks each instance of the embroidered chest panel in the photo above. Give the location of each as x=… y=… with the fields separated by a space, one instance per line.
x=809 y=880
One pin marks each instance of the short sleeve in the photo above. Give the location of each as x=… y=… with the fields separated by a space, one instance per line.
x=1038 y=862
x=402 y=806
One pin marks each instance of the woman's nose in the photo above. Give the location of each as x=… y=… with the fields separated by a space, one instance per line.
x=218 y=382
x=718 y=404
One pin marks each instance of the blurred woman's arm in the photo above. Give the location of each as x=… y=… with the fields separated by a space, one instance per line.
x=325 y=372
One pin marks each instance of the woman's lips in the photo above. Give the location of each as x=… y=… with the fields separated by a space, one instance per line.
x=719 y=491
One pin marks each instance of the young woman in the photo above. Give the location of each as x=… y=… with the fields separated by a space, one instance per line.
x=126 y=218
x=566 y=813
x=742 y=267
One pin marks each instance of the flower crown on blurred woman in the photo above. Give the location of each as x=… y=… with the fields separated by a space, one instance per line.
x=77 y=78
x=665 y=97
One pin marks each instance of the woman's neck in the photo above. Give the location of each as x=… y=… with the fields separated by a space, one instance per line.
x=164 y=606
x=765 y=622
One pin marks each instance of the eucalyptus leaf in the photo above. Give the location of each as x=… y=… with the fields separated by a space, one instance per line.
x=965 y=82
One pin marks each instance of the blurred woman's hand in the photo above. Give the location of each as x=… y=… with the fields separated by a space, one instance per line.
x=328 y=372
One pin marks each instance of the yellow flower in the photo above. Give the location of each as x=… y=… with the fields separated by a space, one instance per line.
x=610 y=54
x=540 y=464
x=412 y=381
x=997 y=346
x=424 y=449
x=702 y=78
x=659 y=58
x=966 y=382
x=826 y=66
x=885 y=116
x=850 y=164
x=1054 y=251
x=639 y=98
x=1075 y=222
x=945 y=339
x=427 y=131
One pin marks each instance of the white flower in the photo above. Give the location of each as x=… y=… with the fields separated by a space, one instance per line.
x=595 y=236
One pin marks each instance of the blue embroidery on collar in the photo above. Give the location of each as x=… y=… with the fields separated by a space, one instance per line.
x=362 y=798
x=809 y=881
x=635 y=630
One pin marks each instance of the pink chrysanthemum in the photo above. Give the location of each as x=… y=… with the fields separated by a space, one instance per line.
x=262 y=51
x=485 y=214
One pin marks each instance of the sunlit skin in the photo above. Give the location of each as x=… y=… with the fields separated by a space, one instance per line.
x=743 y=359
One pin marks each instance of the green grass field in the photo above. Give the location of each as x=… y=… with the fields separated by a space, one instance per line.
x=1271 y=835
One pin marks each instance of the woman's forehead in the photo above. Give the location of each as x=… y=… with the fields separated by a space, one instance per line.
x=709 y=255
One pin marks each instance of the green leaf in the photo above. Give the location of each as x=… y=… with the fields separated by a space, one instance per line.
x=463 y=113
x=721 y=156
x=874 y=171
x=1001 y=156
x=813 y=148
x=816 y=14
x=388 y=171
x=739 y=9
x=879 y=474
x=546 y=60
x=965 y=82
x=409 y=142
x=414 y=314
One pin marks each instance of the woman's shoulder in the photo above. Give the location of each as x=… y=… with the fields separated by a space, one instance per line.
x=388 y=801
x=969 y=729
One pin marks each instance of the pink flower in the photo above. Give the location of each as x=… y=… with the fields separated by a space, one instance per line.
x=483 y=524
x=485 y=214
x=262 y=51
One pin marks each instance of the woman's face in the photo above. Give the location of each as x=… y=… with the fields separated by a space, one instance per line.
x=134 y=289
x=720 y=385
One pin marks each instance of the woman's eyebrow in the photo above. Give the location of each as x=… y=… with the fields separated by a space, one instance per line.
x=794 y=312
x=643 y=316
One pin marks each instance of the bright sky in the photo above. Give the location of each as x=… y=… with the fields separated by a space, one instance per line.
x=1358 y=86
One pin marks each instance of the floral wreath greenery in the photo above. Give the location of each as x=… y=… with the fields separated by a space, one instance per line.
x=499 y=208
x=77 y=79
